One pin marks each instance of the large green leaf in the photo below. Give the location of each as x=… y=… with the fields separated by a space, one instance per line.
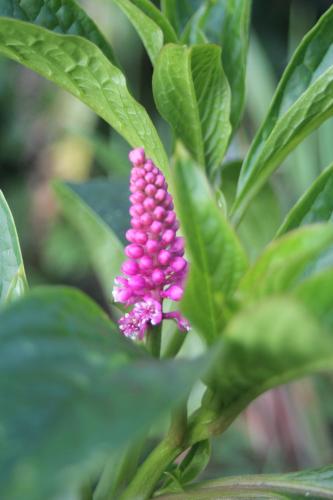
x=310 y=484
x=12 y=275
x=80 y=67
x=227 y=23
x=303 y=100
x=284 y=261
x=157 y=16
x=61 y=16
x=217 y=260
x=71 y=391
x=267 y=344
x=104 y=248
x=193 y=95
x=149 y=32
x=316 y=205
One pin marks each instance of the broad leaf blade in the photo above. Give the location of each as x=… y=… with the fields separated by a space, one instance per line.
x=316 y=205
x=104 y=248
x=149 y=32
x=217 y=260
x=13 y=282
x=311 y=484
x=60 y=16
x=227 y=23
x=303 y=100
x=79 y=67
x=71 y=392
x=193 y=95
x=284 y=261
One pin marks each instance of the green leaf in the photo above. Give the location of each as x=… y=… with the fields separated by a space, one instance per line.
x=227 y=23
x=311 y=484
x=303 y=100
x=267 y=344
x=104 y=248
x=193 y=95
x=156 y=15
x=316 y=205
x=60 y=16
x=179 y=13
x=13 y=282
x=71 y=392
x=285 y=260
x=149 y=32
x=217 y=260
x=78 y=66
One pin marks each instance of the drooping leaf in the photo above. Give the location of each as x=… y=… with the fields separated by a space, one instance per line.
x=316 y=205
x=303 y=100
x=193 y=95
x=104 y=248
x=217 y=260
x=149 y=32
x=60 y=16
x=70 y=385
x=311 y=484
x=80 y=67
x=227 y=24
x=284 y=261
x=267 y=344
x=13 y=282
x=157 y=16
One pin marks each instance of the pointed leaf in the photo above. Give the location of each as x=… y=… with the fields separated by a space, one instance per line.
x=316 y=205
x=149 y=32
x=193 y=95
x=80 y=67
x=217 y=260
x=284 y=261
x=159 y=18
x=13 y=282
x=311 y=484
x=71 y=390
x=303 y=100
x=60 y=16
x=178 y=12
x=104 y=248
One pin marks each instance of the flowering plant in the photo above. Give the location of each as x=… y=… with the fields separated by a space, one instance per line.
x=84 y=391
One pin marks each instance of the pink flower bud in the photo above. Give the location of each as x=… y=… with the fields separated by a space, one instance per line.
x=168 y=236
x=146 y=219
x=134 y=251
x=137 y=156
x=178 y=264
x=175 y=293
x=149 y=204
x=150 y=190
x=146 y=263
x=158 y=276
x=152 y=246
x=137 y=282
x=160 y=195
x=156 y=227
x=130 y=267
x=140 y=237
x=159 y=213
x=164 y=257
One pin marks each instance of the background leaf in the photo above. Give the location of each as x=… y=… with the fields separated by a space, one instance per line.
x=312 y=484
x=69 y=387
x=104 y=248
x=13 y=282
x=157 y=16
x=303 y=100
x=284 y=261
x=316 y=205
x=192 y=94
x=78 y=66
x=217 y=260
x=60 y=16
x=149 y=32
x=179 y=13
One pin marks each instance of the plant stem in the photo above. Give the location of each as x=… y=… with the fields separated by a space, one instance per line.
x=174 y=345
x=153 y=340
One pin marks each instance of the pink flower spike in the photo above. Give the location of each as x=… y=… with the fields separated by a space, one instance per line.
x=155 y=269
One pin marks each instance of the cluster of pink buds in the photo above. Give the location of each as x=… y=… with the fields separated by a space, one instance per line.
x=156 y=268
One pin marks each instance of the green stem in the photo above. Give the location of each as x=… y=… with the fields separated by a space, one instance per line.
x=153 y=340
x=174 y=345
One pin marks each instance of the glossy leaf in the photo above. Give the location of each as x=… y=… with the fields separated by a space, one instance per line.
x=316 y=205
x=303 y=100
x=227 y=24
x=149 y=32
x=78 y=66
x=156 y=15
x=104 y=248
x=284 y=261
x=193 y=95
x=13 y=282
x=60 y=16
x=270 y=343
x=69 y=387
x=311 y=484
x=217 y=260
